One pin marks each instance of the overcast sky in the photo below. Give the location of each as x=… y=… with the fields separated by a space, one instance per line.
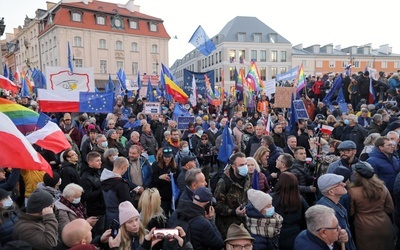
x=342 y=22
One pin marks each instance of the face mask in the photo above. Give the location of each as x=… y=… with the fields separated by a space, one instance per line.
x=243 y=170
x=7 y=203
x=76 y=201
x=398 y=131
x=185 y=149
x=160 y=119
x=200 y=132
x=115 y=157
x=346 y=121
x=269 y=212
x=104 y=144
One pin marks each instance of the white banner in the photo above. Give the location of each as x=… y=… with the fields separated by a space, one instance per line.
x=60 y=78
x=151 y=108
x=269 y=87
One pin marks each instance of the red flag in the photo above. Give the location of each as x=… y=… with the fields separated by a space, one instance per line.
x=49 y=137
x=5 y=83
x=17 y=151
x=326 y=129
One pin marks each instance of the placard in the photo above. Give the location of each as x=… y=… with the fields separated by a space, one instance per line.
x=151 y=108
x=301 y=111
x=183 y=122
x=283 y=97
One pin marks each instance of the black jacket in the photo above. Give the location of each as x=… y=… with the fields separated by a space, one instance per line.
x=93 y=195
x=69 y=174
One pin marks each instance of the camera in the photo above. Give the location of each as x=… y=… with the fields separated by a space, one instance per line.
x=114 y=228
x=165 y=233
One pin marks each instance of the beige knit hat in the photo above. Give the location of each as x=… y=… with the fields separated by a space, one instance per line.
x=126 y=212
x=258 y=198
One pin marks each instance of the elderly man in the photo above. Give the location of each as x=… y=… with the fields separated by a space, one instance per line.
x=354 y=132
x=38 y=226
x=231 y=193
x=323 y=230
x=332 y=189
x=238 y=238
x=134 y=140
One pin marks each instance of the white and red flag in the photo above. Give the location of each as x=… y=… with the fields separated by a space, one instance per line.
x=17 y=151
x=49 y=137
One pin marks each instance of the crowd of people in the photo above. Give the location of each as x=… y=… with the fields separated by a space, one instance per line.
x=296 y=186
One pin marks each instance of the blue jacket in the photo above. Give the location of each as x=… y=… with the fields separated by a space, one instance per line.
x=386 y=168
x=147 y=173
x=341 y=216
x=306 y=240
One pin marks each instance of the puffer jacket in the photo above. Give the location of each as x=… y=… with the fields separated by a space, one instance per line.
x=149 y=143
x=386 y=168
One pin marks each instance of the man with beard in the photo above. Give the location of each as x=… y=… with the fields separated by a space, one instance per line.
x=279 y=136
x=231 y=194
x=70 y=129
x=348 y=159
x=174 y=141
x=139 y=173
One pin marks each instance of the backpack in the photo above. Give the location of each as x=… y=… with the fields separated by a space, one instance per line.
x=214 y=181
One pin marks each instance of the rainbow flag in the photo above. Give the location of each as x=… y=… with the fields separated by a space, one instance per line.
x=26 y=85
x=209 y=90
x=301 y=80
x=24 y=119
x=172 y=88
x=253 y=77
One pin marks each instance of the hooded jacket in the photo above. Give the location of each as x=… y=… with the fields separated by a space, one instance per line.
x=115 y=190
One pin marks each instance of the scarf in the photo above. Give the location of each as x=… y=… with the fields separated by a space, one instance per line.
x=78 y=209
x=265 y=227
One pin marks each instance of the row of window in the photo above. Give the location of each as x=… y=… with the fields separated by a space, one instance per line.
x=118 y=45
x=118 y=22
x=103 y=66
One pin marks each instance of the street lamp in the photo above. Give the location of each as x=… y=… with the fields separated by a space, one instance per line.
x=2 y=29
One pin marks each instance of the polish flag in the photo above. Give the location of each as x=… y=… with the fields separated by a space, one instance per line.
x=58 y=100
x=17 y=151
x=326 y=129
x=5 y=83
x=49 y=137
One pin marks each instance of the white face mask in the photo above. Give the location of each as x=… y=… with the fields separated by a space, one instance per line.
x=7 y=203
x=76 y=201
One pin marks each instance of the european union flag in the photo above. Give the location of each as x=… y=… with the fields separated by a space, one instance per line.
x=39 y=79
x=227 y=145
x=254 y=183
x=42 y=120
x=201 y=41
x=122 y=79
x=175 y=191
x=96 y=102
x=150 y=94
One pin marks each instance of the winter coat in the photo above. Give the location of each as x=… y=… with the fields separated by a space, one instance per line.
x=262 y=182
x=253 y=144
x=7 y=223
x=306 y=240
x=357 y=134
x=228 y=199
x=264 y=230
x=40 y=232
x=149 y=143
x=293 y=222
x=386 y=168
x=147 y=173
x=64 y=215
x=93 y=195
x=373 y=227
x=344 y=165
x=69 y=174
x=203 y=232
x=115 y=190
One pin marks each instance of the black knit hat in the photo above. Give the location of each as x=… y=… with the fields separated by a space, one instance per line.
x=38 y=200
x=49 y=181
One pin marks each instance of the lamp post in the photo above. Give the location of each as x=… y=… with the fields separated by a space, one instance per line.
x=2 y=28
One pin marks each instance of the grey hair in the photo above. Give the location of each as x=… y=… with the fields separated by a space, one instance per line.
x=99 y=136
x=191 y=176
x=318 y=216
x=371 y=138
x=353 y=117
x=257 y=167
x=71 y=189
x=167 y=132
x=110 y=151
x=377 y=117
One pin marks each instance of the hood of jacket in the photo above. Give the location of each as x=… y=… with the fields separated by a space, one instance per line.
x=109 y=179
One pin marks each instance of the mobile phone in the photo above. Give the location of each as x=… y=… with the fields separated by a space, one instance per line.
x=114 y=228
x=165 y=233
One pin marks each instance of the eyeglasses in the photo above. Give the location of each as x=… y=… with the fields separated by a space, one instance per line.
x=329 y=228
x=240 y=247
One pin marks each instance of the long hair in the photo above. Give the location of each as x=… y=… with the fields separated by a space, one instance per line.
x=287 y=189
x=126 y=237
x=371 y=188
x=150 y=206
x=259 y=154
x=161 y=162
